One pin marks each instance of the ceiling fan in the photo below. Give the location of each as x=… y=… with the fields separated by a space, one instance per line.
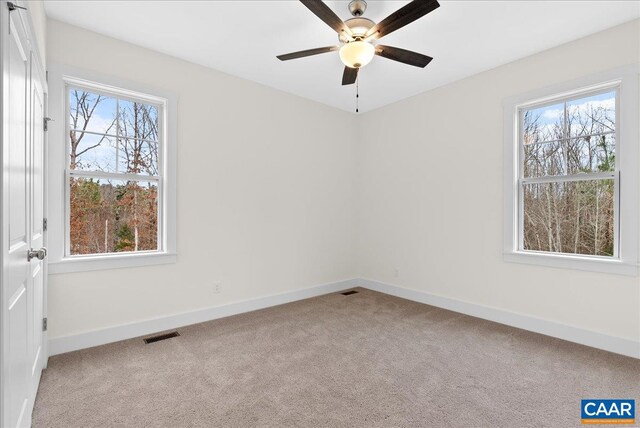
x=358 y=35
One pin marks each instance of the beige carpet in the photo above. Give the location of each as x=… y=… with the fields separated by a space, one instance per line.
x=366 y=360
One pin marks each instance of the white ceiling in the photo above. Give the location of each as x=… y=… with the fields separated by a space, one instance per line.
x=242 y=38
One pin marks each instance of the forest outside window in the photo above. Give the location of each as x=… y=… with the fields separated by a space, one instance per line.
x=568 y=175
x=114 y=173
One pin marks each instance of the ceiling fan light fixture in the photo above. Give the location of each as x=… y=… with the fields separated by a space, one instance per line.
x=357 y=36
x=357 y=54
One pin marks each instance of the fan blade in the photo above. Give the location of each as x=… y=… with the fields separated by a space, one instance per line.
x=322 y=11
x=308 y=52
x=402 y=55
x=403 y=16
x=349 y=76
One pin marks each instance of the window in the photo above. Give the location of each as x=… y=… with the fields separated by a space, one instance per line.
x=568 y=154
x=114 y=145
x=117 y=199
x=568 y=178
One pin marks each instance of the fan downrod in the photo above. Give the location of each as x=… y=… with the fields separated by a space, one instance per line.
x=357 y=7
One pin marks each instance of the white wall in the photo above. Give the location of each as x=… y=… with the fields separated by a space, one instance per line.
x=265 y=193
x=430 y=186
x=39 y=22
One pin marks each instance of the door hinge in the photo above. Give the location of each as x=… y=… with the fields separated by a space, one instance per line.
x=45 y=123
x=44 y=224
x=44 y=324
x=13 y=6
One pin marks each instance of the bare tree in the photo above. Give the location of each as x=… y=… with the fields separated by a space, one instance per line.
x=575 y=216
x=83 y=107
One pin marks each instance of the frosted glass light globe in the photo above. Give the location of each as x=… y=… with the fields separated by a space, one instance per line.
x=357 y=54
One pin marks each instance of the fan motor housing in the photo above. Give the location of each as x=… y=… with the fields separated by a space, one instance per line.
x=359 y=27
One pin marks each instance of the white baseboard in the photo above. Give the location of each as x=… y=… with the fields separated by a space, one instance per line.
x=60 y=345
x=594 y=339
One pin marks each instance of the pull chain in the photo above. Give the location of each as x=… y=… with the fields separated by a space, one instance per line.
x=357 y=93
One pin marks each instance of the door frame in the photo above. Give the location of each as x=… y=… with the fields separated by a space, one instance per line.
x=39 y=69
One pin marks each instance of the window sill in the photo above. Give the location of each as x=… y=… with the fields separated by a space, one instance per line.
x=567 y=261
x=112 y=261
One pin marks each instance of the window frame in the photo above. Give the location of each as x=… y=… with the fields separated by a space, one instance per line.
x=624 y=81
x=61 y=260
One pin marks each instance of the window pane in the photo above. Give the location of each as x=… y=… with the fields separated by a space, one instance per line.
x=138 y=157
x=591 y=154
x=544 y=159
x=573 y=217
x=138 y=120
x=592 y=115
x=92 y=112
x=92 y=152
x=111 y=216
x=543 y=124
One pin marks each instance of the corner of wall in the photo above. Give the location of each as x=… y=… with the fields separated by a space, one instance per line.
x=38 y=18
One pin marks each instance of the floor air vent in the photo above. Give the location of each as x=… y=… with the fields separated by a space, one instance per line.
x=161 y=337
x=349 y=293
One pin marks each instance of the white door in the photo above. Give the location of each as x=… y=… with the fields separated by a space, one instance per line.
x=16 y=298
x=23 y=280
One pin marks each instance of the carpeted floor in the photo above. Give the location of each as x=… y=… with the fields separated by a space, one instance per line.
x=365 y=360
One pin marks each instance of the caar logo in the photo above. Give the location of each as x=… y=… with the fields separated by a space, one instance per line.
x=618 y=411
